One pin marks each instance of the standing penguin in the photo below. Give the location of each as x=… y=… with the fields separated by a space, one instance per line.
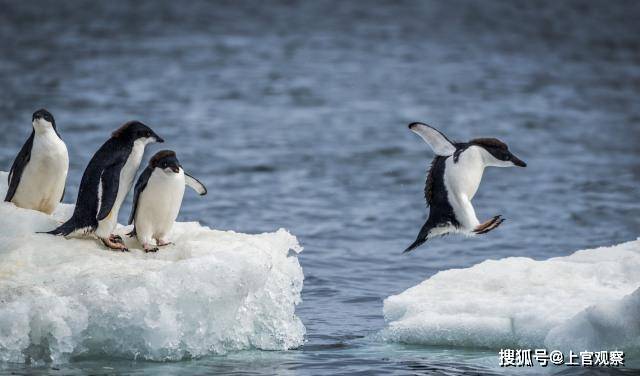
x=157 y=199
x=106 y=182
x=453 y=180
x=39 y=172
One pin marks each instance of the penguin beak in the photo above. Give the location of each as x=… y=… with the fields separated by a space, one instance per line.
x=158 y=138
x=517 y=161
x=173 y=166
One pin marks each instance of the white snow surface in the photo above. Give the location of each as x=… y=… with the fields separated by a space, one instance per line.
x=209 y=293
x=589 y=300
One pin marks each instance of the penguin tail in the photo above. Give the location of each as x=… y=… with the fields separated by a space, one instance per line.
x=428 y=231
x=414 y=245
x=63 y=230
x=422 y=237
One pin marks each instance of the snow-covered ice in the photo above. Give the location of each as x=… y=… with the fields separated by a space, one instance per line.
x=211 y=292
x=589 y=300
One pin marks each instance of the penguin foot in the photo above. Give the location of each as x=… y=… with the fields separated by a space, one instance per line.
x=489 y=225
x=162 y=243
x=116 y=239
x=115 y=243
x=154 y=249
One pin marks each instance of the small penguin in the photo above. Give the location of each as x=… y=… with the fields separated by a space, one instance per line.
x=39 y=172
x=106 y=182
x=453 y=180
x=157 y=199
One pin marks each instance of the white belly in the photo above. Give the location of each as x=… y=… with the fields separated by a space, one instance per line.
x=43 y=178
x=463 y=177
x=127 y=174
x=462 y=180
x=158 y=205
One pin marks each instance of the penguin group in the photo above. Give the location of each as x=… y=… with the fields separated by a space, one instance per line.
x=38 y=175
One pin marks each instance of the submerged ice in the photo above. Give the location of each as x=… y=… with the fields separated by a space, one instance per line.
x=211 y=292
x=589 y=300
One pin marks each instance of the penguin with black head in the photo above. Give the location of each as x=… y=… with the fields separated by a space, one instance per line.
x=453 y=180
x=157 y=199
x=39 y=172
x=106 y=182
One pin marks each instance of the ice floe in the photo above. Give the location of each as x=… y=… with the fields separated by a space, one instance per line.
x=589 y=300
x=210 y=293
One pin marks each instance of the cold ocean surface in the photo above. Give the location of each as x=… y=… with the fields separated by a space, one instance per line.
x=294 y=115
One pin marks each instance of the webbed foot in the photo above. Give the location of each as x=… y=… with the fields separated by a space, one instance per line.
x=115 y=242
x=489 y=225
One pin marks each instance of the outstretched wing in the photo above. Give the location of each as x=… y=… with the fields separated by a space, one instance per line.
x=195 y=184
x=23 y=157
x=109 y=184
x=438 y=142
x=140 y=186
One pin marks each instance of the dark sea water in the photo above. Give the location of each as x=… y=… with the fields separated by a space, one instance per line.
x=294 y=114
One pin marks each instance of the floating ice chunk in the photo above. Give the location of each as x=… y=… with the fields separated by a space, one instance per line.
x=589 y=300
x=211 y=292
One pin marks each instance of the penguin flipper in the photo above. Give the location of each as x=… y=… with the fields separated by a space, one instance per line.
x=438 y=142
x=23 y=157
x=195 y=184
x=141 y=184
x=110 y=182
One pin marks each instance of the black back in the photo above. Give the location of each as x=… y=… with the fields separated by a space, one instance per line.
x=141 y=184
x=15 y=174
x=105 y=165
x=436 y=193
x=111 y=156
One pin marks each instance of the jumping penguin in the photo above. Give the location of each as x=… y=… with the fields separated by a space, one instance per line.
x=157 y=199
x=39 y=172
x=106 y=182
x=453 y=180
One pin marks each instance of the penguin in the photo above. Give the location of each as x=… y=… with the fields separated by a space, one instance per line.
x=453 y=180
x=106 y=182
x=157 y=198
x=38 y=174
